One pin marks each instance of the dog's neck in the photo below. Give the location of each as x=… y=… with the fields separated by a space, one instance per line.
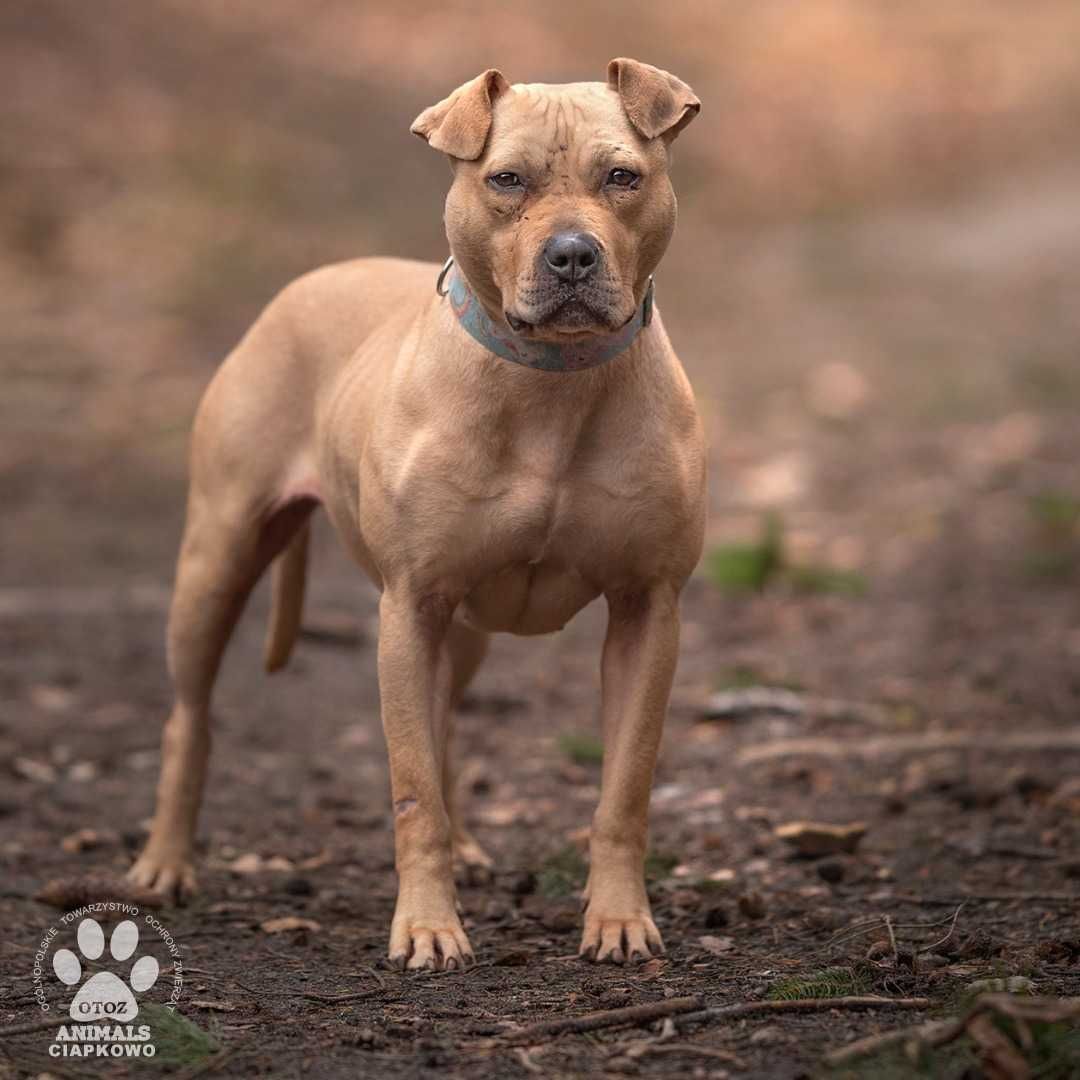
x=542 y=355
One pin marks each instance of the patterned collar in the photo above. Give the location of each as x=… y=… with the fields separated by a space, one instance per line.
x=542 y=355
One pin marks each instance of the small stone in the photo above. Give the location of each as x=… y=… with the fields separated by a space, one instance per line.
x=832 y=870
x=82 y=772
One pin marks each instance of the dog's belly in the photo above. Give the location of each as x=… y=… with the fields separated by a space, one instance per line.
x=527 y=598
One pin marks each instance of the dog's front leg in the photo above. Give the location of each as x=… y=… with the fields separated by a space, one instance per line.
x=640 y=652
x=414 y=678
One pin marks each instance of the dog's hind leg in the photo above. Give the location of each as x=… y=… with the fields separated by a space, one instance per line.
x=224 y=552
x=467 y=648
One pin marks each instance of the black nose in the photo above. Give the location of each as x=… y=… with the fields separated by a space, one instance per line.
x=573 y=256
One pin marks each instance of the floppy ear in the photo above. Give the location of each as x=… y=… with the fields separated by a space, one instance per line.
x=459 y=124
x=656 y=103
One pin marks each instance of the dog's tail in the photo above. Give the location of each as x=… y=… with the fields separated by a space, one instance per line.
x=289 y=576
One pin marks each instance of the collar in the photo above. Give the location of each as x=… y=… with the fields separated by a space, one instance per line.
x=542 y=355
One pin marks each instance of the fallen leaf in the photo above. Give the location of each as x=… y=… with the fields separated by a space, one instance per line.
x=40 y=772
x=54 y=699
x=84 y=840
x=814 y=839
x=214 y=1006
x=1014 y=984
x=716 y=945
x=286 y=923
x=250 y=863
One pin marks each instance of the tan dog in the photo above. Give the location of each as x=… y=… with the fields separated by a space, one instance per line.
x=479 y=494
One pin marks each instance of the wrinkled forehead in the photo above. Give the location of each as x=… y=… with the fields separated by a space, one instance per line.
x=579 y=120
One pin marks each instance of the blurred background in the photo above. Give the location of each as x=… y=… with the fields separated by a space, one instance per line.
x=873 y=285
x=875 y=289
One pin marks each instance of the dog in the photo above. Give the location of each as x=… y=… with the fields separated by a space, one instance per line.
x=497 y=445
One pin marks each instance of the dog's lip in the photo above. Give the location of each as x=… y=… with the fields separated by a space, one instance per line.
x=522 y=326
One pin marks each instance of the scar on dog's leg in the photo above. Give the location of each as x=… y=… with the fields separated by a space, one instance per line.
x=467 y=648
x=219 y=562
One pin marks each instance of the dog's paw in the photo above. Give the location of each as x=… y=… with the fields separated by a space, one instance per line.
x=620 y=939
x=169 y=874
x=429 y=944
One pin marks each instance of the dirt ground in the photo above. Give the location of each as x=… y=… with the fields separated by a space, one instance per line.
x=887 y=367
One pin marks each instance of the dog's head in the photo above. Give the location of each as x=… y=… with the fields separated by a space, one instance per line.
x=561 y=205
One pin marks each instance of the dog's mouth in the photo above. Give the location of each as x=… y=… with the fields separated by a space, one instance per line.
x=561 y=317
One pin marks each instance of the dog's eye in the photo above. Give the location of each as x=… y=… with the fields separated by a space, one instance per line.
x=506 y=180
x=623 y=178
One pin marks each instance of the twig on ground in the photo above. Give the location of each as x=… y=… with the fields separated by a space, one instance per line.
x=898 y=745
x=340 y=999
x=933 y=946
x=748 y=1008
x=607 y=1018
x=1022 y=1010
x=892 y=941
x=872 y=1044
x=992 y=898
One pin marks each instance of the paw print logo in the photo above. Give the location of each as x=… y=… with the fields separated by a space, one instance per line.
x=105 y=996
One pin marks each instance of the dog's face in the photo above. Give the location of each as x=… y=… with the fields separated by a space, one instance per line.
x=561 y=205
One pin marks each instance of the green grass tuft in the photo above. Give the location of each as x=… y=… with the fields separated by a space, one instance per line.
x=740 y=568
x=178 y=1041
x=824 y=579
x=1055 y=510
x=582 y=747
x=827 y=983
x=659 y=864
x=1054 y=1055
x=748 y=567
x=563 y=873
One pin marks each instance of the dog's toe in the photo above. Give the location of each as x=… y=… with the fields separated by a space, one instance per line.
x=425 y=949
x=173 y=878
x=620 y=941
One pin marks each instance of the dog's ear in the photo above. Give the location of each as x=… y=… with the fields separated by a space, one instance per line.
x=656 y=103
x=459 y=124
